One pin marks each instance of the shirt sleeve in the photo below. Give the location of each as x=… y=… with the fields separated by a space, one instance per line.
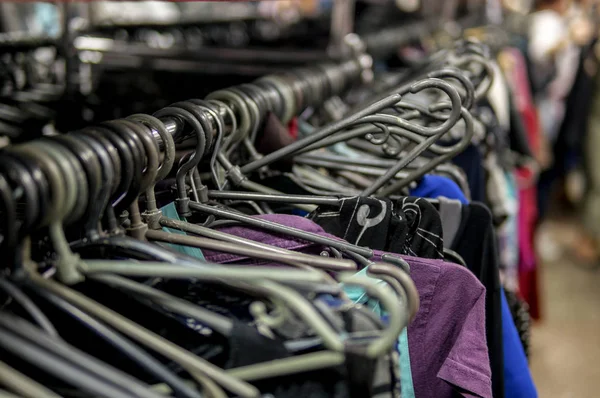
x=467 y=366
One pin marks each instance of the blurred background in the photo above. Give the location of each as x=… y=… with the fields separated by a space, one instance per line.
x=67 y=65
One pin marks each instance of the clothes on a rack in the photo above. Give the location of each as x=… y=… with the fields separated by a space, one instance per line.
x=360 y=256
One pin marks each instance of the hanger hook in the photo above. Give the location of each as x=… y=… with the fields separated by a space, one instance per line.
x=182 y=202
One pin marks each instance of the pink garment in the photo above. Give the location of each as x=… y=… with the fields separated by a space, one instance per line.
x=518 y=80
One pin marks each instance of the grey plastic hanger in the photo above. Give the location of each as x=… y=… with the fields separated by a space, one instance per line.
x=377 y=119
x=60 y=367
x=155 y=218
x=259 y=277
x=23 y=385
x=153 y=341
x=89 y=364
x=62 y=201
x=326 y=359
x=69 y=270
x=141 y=358
x=29 y=306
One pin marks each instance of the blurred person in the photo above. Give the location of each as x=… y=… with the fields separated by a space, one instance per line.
x=559 y=37
x=553 y=56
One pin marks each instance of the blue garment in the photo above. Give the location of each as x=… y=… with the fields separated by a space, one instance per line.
x=471 y=161
x=358 y=295
x=518 y=382
x=170 y=211
x=434 y=186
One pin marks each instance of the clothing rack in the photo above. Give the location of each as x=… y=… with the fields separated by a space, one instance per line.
x=345 y=74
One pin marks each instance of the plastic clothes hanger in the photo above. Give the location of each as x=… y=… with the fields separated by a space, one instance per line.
x=8 y=209
x=182 y=199
x=55 y=189
x=433 y=133
x=135 y=149
x=26 y=192
x=145 y=361
x=153 y=341
x=87 y=363
x=59 y=367
x=251 y=271
x=257 y=276
x=114 y=245
x=429 y=144
x=364 y=116
x=80 y=205
x=32 y=195
x=86 y=157
x=61 y=203
x=155 y=220
x=320 y=360
x=123 y=160
x=23 y=385
x=57 y=183
x=29 y=306
x=219 y=323
x=98 y=198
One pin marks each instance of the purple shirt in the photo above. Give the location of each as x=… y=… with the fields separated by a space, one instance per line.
x=447 y=341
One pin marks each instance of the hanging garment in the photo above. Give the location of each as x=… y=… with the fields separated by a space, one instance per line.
x=475 y=242
x=170 y=211
x=411 y=226
x=447 y=340
x=433 y=186
x=471 y=161
x=518 y=382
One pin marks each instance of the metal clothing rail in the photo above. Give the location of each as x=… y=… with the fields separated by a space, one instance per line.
x=328 y=79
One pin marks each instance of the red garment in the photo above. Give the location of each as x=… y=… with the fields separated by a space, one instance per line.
x=293 y=128
x=518 y=81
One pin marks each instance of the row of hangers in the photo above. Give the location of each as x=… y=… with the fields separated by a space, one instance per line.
x=82 y=190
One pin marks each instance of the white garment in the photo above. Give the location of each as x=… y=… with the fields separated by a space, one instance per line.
x=499 y=99
x=546 y=32
x=547 y=29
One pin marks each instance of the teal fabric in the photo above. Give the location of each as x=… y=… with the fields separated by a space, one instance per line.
x=358 y=295
x=170 y=211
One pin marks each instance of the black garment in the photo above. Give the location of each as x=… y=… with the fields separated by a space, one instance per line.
x=475 y=241
x=244 y=346
x=471 y=161
x=422 y=230
x=362 y=221
x=568 y=150
x=517 y=134
x=412 y=226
